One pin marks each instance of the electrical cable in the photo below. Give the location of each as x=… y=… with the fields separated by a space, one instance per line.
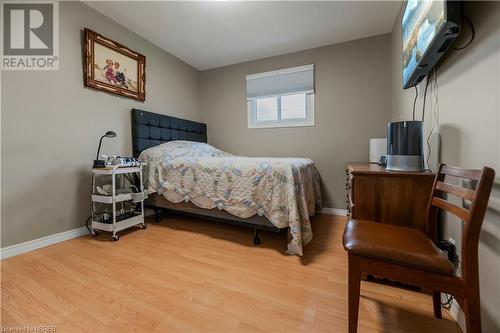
x=429 y=79
x=448 y=301
x=429 y=148
x=87 y=224
x=435 y=112
x=415 y=101
x=425 y=98
x=89 y=219
x=423 y=113
x=92 y=213
x=473 y=31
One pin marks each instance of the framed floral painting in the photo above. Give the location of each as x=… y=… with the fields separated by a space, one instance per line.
x=112 y=67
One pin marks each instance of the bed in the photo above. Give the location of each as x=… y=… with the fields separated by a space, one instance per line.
x=185 y=174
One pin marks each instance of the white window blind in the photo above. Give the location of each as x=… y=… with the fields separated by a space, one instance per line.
x=281 y=98
x=280 y=82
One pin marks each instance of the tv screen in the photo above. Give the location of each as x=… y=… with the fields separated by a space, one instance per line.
x=427 y=32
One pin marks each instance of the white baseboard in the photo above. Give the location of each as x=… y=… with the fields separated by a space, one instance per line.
x=16 y=249
x=456 y=313
x=333 y=211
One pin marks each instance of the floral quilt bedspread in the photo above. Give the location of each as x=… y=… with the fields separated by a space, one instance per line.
x=284 y=190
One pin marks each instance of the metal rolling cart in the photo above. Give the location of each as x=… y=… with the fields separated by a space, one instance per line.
x=113 y=220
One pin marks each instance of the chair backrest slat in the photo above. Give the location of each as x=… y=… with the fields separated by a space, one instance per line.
x=461 y=192
x=461 y=173
x=460 y=212
x=472 y=218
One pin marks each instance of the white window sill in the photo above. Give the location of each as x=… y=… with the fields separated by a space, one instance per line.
x=271 y=124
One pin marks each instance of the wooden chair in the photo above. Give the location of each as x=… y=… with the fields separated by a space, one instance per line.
x=411 y=256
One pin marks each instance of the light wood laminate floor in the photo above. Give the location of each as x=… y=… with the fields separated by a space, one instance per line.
x=190 y=275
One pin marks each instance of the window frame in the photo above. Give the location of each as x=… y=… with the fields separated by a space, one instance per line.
x=291 y=122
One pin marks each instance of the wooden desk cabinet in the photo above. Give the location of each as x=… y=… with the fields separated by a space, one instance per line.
x=395 y=197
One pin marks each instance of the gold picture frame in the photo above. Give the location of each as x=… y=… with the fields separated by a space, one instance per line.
x=109 y=66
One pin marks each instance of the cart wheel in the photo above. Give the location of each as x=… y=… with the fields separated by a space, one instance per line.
x=116 y=237
x=144 y=226
x=94 y=233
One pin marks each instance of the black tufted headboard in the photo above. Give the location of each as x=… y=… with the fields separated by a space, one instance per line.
x=151 y=129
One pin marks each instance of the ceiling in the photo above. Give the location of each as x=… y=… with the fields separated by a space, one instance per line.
x=213 y=34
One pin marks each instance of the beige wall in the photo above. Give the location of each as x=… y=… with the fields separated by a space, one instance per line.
x=352 y=105
x=51 y=125
x=469 y=100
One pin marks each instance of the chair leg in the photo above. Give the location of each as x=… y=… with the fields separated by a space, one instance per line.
x=353 y=298
x=472 y=313
x=436 y=302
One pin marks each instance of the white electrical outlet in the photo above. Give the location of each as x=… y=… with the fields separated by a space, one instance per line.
x=452 y=241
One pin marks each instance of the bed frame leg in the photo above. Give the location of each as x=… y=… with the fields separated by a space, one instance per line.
x=256 y=239
x=157 y=214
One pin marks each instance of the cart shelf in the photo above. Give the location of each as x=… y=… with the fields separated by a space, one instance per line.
x=115 y=225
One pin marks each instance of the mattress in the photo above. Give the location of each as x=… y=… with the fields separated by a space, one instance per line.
x=284 y=190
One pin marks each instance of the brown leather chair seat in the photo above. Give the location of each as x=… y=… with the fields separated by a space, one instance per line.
x=391 y=243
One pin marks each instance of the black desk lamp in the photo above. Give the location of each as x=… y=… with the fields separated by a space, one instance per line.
x=101 y=163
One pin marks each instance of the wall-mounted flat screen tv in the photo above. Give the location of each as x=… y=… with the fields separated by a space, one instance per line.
x=428 y=30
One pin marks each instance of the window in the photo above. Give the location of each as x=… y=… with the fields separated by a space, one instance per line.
x=293 y=106
x=267 y=109
x=283 y=98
